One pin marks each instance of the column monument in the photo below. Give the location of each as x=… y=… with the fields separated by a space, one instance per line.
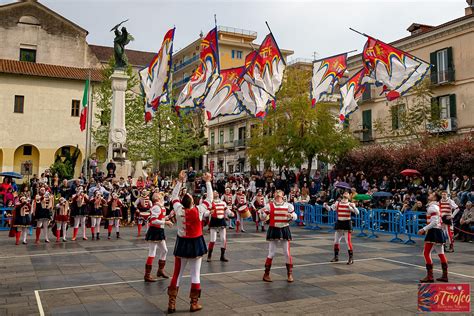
x=118 y=133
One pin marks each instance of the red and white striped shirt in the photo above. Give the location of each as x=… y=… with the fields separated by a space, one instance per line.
x=278 y=214
x=433 y=215
x=344 y=210
x=219 y=209
x=446 y=207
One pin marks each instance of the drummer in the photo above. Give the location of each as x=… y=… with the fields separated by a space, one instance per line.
x=258 y=202
x=240 y=203
x=143 y=205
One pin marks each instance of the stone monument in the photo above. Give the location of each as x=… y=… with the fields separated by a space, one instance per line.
x=118 y=133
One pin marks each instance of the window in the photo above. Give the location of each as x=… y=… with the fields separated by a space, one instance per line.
x=75 y=108
x=27 y=150
x=443 y=107
x=366 y=125
x=221 y=137
x=19 y=104
x=28 y=55
x=442 y=70
x=212 y=138
x=367 y=95
x=231 y=168
x=236 y=54
x=242 y=132
x=231 y=134
x=398 y=112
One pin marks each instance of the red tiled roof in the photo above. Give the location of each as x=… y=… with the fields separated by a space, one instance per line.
x=45 y=70
x=135 y=57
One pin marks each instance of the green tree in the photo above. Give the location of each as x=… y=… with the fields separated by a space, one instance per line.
x=294 y=132
x=167 y=138
x=64 y=165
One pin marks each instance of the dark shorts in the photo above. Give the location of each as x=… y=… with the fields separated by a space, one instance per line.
x=343 y=225
x=446 y=220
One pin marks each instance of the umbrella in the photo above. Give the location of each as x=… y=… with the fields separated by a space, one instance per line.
x=363 y=197
x=382 y=194
x=410 y=172
x=11 y=174
x=343 y=185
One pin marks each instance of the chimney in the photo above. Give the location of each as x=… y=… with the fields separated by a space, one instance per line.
x=470 y=9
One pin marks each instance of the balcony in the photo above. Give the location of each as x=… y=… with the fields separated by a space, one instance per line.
x=229 y=145
x=178 y=67
x=219 y=147
x=443 y=126
x=181 y=82
x=239 y=143
x=443 y=76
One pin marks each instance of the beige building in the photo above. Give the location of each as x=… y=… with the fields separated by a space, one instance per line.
x=450 y=48
x=44 y=62
x=226 y=149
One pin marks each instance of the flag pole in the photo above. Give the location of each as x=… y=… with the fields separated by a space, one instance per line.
x=91 y=116
x=268 y=26
x=86 y=158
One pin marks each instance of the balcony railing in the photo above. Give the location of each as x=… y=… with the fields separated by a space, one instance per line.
x=181 y=82
x=186 y=63
x=234 y=30
x=442 y=76
x=239 y=142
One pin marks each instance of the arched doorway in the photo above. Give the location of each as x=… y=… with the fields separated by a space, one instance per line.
x=1 y=160
x=101 y=154
x=66 y=152
x=26 y=160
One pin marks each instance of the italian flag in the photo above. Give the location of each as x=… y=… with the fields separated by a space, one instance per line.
x=85 y=102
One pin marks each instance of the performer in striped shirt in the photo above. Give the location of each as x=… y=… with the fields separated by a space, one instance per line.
x=190 y=245
x=240 y=200
x=279 y=213
x=434 y=239
x=446 y=206
x=155 y=236
x=219 y=212
x=343 y=226
x=258 y=202
x=228 y=198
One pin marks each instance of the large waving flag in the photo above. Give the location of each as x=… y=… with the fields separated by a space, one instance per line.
x=263 y=77
x=394 y=69
x=155 y=78
x=326 y=72
x=221 y=99
x=351 y=92
x=197 y=87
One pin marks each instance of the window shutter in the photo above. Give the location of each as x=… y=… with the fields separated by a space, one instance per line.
x=394 y=118
x=434 y=71
x=452 y=105
x=450 y=64
x=435 y=109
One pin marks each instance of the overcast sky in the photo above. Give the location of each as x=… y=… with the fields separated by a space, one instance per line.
x=303 y=26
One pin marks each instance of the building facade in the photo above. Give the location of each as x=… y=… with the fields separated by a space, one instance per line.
x=449 y=47
x=44 y=62
x=226 y=136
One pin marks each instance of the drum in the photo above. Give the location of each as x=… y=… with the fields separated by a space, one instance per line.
x=244 y=212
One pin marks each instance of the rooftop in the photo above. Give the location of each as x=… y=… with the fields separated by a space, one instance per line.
x=135 y=57
x=50 y=71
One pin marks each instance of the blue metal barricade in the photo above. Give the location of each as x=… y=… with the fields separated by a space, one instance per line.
x=297 y=207
x=386 y=221
x=311 y=215
x=4 y=219
x=361 y=221
x=412 y=223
